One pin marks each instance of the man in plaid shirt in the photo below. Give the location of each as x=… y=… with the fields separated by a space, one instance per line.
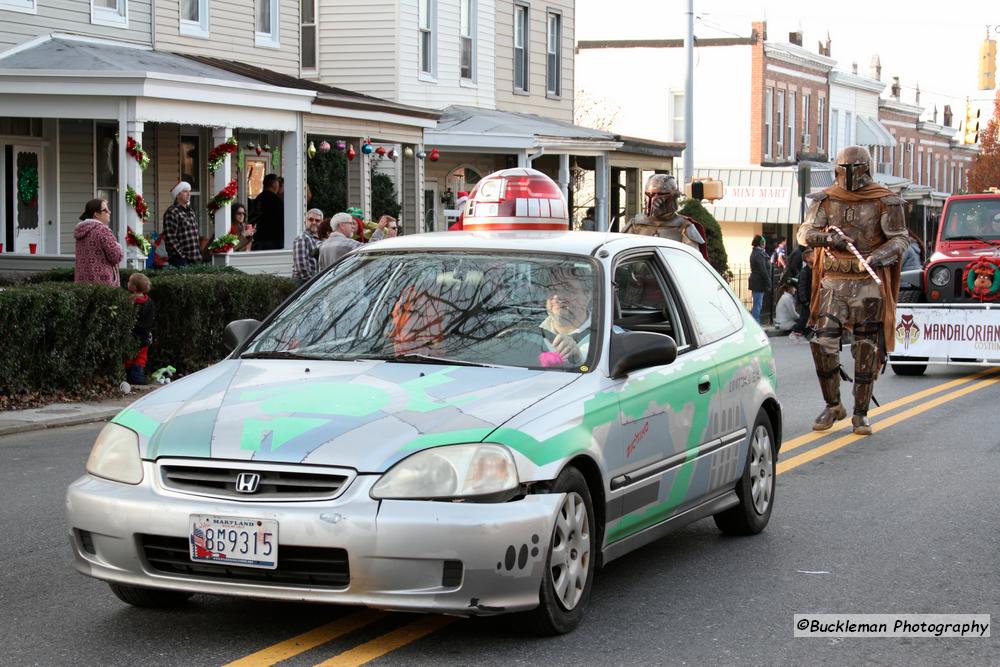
x=180 y=227
x=305 y=249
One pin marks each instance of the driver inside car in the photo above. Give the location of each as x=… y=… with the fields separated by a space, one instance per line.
x=567 y=327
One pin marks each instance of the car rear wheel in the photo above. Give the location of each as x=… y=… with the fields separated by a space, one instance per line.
x=150 y=598
x=569 y=564
x=755 y=489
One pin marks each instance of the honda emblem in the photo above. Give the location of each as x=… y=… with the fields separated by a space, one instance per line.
x=247 y=482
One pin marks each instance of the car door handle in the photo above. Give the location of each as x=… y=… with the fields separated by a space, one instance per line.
x=704 y=384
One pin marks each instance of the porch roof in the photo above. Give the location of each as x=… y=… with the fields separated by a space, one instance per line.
x=471 y=128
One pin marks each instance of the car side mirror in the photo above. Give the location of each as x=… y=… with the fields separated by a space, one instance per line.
x=238 y=331
x=632 y=350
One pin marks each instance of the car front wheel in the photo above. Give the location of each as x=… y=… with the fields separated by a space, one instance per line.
x=149 y=598
x=755 y=489
x=569 y=565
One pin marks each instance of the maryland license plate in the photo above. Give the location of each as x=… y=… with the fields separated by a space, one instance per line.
x=234 y=541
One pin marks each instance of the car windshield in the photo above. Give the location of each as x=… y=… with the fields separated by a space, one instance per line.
x=972 y=219
x=474 y=308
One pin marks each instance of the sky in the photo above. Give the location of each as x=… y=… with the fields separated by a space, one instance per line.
x=922 y=42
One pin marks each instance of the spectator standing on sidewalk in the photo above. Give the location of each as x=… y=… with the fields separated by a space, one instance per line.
x=803 y=295
x=340 y=242
x=98 y=252
x=135 y=369
x=180 y=226
x=305 y=248
x=387 y=227
x=760 y=275
x=269 y=216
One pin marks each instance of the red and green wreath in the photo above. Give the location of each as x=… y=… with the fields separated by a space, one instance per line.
x=135 y=150
x=224 y=243
x=217 y=155
x=136 y=201
x=137 y=240
x=224 y=197
x=982 y=279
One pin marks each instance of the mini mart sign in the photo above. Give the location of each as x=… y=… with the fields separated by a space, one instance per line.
x=754 y=196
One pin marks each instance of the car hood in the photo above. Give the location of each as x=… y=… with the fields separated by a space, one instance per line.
x=364 y=415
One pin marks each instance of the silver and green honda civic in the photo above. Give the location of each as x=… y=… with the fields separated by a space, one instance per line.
x=466 y=422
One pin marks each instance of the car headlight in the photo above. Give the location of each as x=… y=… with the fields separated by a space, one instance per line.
x=940 y=276
x=474 y=471
x=115 y=455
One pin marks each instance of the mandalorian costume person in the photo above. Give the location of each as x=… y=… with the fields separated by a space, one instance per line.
x=660 y=216
x=844 y=294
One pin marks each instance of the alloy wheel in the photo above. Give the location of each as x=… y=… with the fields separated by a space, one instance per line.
x=570 y=555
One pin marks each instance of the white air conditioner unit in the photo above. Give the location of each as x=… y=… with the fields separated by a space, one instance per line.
x=804 y=141
x=884 y=168
x=781 y=149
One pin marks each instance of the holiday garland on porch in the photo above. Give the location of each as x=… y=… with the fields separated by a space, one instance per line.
x=218 y=154
x=224 y=197
x=135 y=150
x=223 y=244
x=137 y=240
x=136 y=201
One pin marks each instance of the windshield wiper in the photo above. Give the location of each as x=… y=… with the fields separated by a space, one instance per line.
x=279 y=354
x=428 y=359
x=971 y=237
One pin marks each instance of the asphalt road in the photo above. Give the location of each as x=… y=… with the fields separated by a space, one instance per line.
x=905 y=521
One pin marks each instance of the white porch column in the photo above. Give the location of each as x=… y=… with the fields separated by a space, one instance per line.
x=293 y=147
x=134 y=259
x=601 y=192
x=220 y=179
x=522 y=158
x=564 y=174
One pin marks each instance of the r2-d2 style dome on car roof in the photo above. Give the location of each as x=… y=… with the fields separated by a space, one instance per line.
x=517 y=199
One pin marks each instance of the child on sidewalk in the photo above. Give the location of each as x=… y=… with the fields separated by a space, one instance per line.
x=139 y=285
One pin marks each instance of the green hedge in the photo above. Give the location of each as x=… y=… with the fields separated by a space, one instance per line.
x=59 y=336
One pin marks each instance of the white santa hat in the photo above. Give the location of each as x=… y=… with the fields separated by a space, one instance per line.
x=182 y=186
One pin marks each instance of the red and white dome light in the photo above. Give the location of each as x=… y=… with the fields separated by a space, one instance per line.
x=518 y=199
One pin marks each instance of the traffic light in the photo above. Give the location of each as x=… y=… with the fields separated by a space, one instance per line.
x=988 y=65
x=970 y=135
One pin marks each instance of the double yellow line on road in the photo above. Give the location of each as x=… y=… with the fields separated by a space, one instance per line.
x=979 y=380
x=426 y=625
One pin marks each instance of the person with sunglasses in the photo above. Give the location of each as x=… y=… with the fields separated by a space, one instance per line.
x=387 y=227
x=98 y=252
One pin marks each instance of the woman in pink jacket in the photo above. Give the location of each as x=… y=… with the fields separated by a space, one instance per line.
x=97 y=250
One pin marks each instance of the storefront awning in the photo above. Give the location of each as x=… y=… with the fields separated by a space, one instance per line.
x=762 y=194
x=873 y=133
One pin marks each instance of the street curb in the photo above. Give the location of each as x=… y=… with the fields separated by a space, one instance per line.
x=59 y=422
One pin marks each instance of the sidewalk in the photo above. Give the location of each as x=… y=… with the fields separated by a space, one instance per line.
x=67 y=414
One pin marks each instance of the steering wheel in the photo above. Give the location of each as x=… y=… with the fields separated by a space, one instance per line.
x=520 y=329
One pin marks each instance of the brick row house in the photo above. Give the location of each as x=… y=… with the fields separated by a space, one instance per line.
x=782 y=107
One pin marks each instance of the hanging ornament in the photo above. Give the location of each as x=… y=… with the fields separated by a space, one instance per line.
x=267 y=147
x=433 y=157
x=351 y=153
x=407 y=152
x=311 y=151
x=258 y=149
x=380 y=151
x=392 y=154
x=340 y=145
x=367 y=148
x=251 y=145
x=324 y=146
x=421 y=155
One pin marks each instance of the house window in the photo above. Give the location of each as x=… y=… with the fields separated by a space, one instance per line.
x=308 y=37
x=820 y=122
x=194 y=18
x=109 y=12
x=848 y=130
x=791 y=124
x=267 y=23
x=780 y=123
x=834 y=130
x=553 y=62
x=902 y=156
x=26 y=6
x=920 y=169
x=425 y=25
x=805 y=122
x=520 y=47
x=913 y=154
x=768 y=115
x=467 y=39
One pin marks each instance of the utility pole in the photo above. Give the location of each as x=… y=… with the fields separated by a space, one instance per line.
x=689 y=95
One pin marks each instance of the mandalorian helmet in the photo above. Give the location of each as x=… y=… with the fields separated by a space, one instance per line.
x=853 y=170
x=661 y=196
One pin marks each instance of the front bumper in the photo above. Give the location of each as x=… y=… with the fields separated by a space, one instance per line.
x=401 y=554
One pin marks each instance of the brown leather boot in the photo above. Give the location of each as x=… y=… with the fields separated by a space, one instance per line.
x=861 y=425
x=828 y=372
